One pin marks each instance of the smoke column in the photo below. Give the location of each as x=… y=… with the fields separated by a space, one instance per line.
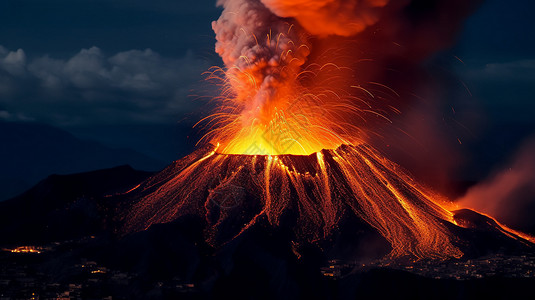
x=323 y=17
x=259 y=49
x=279 y=52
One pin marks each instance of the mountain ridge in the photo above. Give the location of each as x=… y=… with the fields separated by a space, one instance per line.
x=30 y=152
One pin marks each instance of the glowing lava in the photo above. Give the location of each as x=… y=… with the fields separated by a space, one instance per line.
x=292 y=148
x=317 y=109
x=235 y=192
x=273 y=100
x=289 y=119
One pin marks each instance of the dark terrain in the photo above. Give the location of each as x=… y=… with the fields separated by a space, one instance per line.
x=72 y=220
x=29 y=152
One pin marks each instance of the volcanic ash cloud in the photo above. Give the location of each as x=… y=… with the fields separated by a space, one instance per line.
x=295 y=67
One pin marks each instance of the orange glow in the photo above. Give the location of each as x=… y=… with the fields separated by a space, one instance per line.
x=324 y=185
x=512 y=233
x=286 y=107
x=292 y=134
x=236 y=192
x=25 y=249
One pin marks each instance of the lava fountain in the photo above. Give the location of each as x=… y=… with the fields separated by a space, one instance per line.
x=291 y=133
x=273 y=100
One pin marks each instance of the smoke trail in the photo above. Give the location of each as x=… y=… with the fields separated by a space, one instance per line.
x=508 y=194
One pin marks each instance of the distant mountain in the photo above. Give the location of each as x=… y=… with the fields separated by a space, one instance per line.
x=167 y=142
x=30 y=152
x=65 y=206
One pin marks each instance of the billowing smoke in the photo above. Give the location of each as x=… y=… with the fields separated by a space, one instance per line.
x=508 y=194
x=332 y=17
x=418 y=26
x=260 y=50
x=273 y=48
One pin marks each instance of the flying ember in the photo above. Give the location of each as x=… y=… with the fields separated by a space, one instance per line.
x=274 y=100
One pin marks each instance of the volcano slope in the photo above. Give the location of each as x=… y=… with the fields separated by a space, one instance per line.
x=349 y=198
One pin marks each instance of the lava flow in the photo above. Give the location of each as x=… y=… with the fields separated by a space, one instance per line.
x=322 y=187
x=309 y=194
x=291 y=128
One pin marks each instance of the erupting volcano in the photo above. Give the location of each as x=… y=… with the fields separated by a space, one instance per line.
x=309 y=194
x=340 y=149
x=292 y=128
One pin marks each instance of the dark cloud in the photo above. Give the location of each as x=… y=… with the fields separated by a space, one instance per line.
x=518 y=70
x=64 y=26
x=499 y=31
x=504 y=89
x=92 y=87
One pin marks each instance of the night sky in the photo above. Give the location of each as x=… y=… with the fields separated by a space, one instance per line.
x=127 y=73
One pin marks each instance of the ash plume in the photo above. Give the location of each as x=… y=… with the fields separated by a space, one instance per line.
x=324 y=17
x=277 y=51
x=418 y=27
x=258 y=48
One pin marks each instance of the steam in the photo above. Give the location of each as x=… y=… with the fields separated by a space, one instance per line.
x=508 y=194
x=328 y=17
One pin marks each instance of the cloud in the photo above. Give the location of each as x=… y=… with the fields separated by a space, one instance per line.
x=505 y=89
x=522 y=71
x=6 y=116
x=12 y=62
x=92 y=87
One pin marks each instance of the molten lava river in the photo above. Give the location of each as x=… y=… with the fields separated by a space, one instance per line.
x=234 y=192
